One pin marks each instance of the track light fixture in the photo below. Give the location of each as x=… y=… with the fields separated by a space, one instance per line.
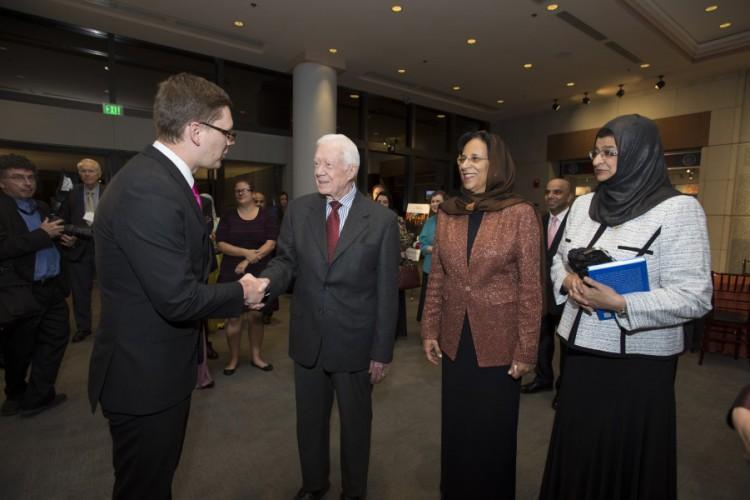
x=661 y=83
x=555 y=105
x=586 y=99
x=620 y=92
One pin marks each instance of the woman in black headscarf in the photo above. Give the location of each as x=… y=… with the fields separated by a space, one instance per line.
x=481 y=317
x=614 y=431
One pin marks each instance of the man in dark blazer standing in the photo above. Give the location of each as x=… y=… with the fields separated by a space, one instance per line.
x=79 y=211
x=558 y=196
x=152 y=259
x=37 y=332
x=343 y=250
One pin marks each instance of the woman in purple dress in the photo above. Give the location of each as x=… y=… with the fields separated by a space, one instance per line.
x=247 y=237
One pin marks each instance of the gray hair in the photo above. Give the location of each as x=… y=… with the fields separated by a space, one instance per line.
x=349 y=151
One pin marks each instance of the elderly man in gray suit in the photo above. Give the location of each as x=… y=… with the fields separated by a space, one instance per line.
x=343 y=251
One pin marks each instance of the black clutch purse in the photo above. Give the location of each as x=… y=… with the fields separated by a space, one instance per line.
x=581 y=258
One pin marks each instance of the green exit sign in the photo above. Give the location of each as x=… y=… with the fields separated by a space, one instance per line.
x=111 y=109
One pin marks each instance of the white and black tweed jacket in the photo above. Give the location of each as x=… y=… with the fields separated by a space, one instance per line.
x=679 y=271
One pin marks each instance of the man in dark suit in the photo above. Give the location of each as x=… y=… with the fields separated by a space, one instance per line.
x=28 y=255
x=79 y=211
x=343 y=250
x=152 y=259
x=558 y=196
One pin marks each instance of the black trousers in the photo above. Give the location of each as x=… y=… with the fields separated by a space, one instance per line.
x=82 y=284
x=39 y=341
x=146 y=450
x=314 y=390
x=544 y=371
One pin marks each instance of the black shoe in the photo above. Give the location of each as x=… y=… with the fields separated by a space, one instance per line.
x=536 y=386
x=56 y=400
x=555 y=403
x=80 y=335
x=266 y=368
x=10 y=407
x=229 y=371
x=311 y=495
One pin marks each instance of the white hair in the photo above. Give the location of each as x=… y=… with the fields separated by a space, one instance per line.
x=349 y=151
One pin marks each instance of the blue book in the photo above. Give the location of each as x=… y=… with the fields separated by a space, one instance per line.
x=625 y=276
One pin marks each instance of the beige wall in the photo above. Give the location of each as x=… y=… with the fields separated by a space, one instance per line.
x=725 y=163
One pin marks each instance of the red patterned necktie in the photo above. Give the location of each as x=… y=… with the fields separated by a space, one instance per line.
x=197 y=196
x=332 y=228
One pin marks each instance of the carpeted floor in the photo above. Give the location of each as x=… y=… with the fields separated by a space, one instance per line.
x=241 y=441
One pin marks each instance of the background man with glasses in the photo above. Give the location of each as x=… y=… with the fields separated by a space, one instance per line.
x=36 y=326
x=152 y=259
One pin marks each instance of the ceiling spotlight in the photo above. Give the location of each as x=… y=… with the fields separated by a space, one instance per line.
x=500 y=101
x=441 y=116
x=555 y=105
x=106 y=68
x=456 y=87
x=401 y=71
x=396 y=9
x=620 y=92
x=711 y=8
x=661 y=83
x=570 y=84
x=553 y=6
x=333 y=50
x=725 y=25
x=471 y=41
x=645 y=65
x=239 y=24
x=354 y=96
x=586 y=99
x=528 y=66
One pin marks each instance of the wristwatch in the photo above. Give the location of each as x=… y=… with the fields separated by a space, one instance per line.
x=622 y=313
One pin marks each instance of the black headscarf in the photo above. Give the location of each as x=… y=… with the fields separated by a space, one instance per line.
x=501 y=174
x=641 y=181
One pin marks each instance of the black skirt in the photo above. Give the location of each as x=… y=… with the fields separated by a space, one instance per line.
x=614 y=434
x=479 y=427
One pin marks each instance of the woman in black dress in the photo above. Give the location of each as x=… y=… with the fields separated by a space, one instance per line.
x=247 y=237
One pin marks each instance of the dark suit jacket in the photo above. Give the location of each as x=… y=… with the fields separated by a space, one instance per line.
x=499 y=288
x=75 y=209
x=152 y=259
x=18 y=245
x=552 y=307
x=344 y=314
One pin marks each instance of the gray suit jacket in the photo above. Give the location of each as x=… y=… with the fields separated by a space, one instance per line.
x=344 y=314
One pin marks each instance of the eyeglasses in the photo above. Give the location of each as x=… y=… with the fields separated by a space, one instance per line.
x=242 y=191
x=473 y=159
x=606 y=153
x=231 y=135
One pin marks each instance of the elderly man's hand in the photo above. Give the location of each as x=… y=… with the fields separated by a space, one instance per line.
x=378 y=371
x=253 y=289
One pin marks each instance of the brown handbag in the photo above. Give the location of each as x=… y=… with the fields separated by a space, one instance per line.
x=408 y=276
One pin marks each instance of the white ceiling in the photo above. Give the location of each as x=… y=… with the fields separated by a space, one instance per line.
x=428 y=38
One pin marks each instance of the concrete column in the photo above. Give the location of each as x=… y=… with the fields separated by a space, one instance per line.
x=314 y=115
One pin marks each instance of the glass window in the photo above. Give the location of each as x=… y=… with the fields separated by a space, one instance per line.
x=260 y=99
x=464 y=125
x=431 y=132
x=347 y=113
x=429 y=175
x=386 y=124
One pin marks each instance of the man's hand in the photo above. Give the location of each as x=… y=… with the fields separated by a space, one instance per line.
x=431 y=349
x=52 y=228
x=68 y=240
x=519 y=369
x=378 y=371
x=253 y=289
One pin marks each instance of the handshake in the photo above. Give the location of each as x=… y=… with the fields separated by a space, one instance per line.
x=255 y=291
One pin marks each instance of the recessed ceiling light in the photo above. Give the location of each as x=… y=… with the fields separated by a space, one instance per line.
x=354 y=96
x=239 y=24
x=528 y=66
x=711 y=8
x=396 y=9
x=570 y=84
x=401 y=71
x=552 y=6
x=500 y=101
x=106 y=68
x=441 y=116
x=645 y=65
x=725 y=25
x=471 y=41
x=456 y=87
x=333 y=50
